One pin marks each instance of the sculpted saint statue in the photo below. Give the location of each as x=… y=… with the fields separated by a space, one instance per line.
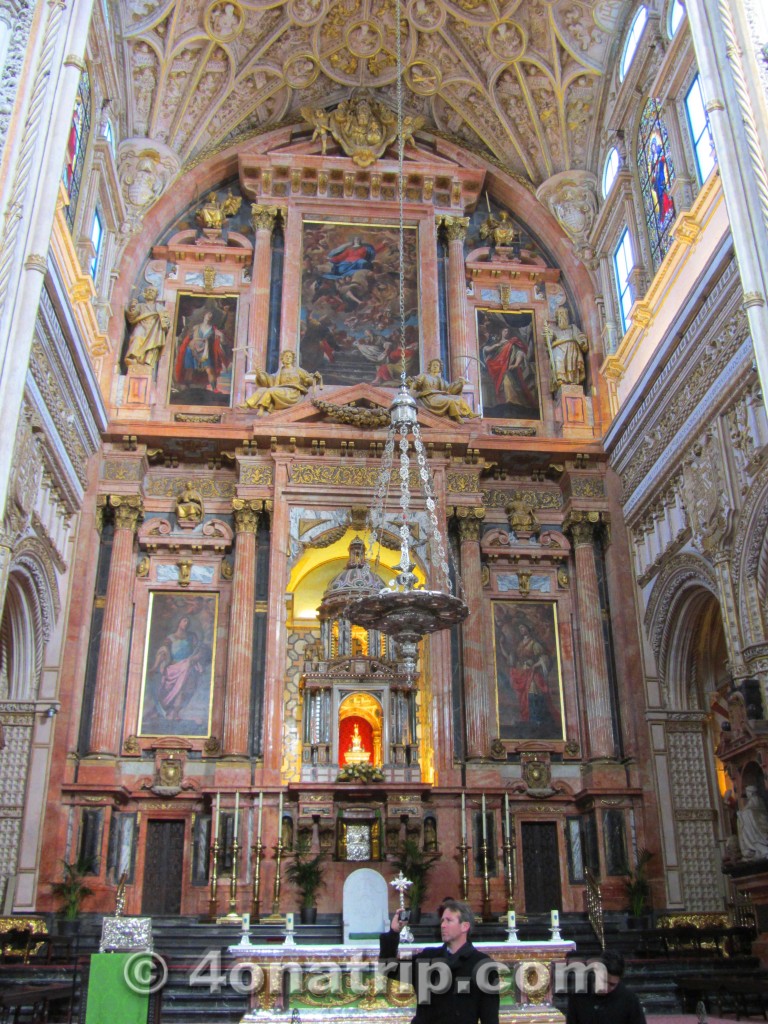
x=151 y=324
x=752 y=822
x=213 y=213
x=282 y=389
x=441 y=396
x=189 y=505
x=567 y=345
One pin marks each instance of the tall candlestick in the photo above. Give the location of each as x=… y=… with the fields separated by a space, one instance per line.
x=483 y=821
x=506 y=817
x=261 y=809
x=216 y=817
x=237 y=811
x=463 y=818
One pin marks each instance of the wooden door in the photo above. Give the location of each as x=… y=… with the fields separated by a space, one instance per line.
x=541 y=867
x=163 y=867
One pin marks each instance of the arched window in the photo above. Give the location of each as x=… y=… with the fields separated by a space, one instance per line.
x=79 y=130
x=610 y=171
x=701 y=133
x=633 y=41
x=654 y=165
x=623 y=264
x=676 y=15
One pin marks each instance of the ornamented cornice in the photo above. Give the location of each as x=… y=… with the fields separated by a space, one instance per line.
x=212 y=487
x=535 y=499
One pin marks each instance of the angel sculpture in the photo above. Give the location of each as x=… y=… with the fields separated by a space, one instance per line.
x=500 y=231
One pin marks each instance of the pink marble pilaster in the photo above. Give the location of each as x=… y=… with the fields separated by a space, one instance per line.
x=237 y=714
x=476 y=690
x=597 y=699
x=263 y=219
x=107 y=719
x=455 y=229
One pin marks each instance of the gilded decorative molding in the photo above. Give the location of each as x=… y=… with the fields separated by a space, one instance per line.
x=587 y=487
x=462 y=483
x=171 y=486
x=257 y=476
x=340 y=476
x=123 y=469
x=353 y=415
x=536 y=499
x=514 y=431
x=197 y=417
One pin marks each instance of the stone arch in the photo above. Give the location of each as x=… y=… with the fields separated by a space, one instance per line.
x=750 y=562
x=682 y=611
x=31 y=607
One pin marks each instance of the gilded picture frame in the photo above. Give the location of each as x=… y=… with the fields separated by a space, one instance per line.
x=509 y=374
x=178 y=667
x=528 y=670
x=349 y=327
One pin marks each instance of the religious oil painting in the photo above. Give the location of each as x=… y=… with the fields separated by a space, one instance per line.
x=179 y=658
x=509 y=383
x=204 y=343
x=350 y=319
x=529 y=688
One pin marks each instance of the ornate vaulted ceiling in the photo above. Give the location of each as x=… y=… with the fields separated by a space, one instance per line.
x=521 y=80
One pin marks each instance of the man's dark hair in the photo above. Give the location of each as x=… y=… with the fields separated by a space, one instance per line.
x=613 y=962
x=462 y=909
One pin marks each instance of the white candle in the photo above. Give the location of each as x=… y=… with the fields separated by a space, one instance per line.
x=507 y=835
x=463 y=818
x=216 y=818
x=482 y=815
x=237 y=811
x=280 y=818
x=511 y=920
x=261 y=809
x=555 y=919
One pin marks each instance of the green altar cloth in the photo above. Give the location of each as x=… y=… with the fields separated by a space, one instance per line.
x=111 y=1000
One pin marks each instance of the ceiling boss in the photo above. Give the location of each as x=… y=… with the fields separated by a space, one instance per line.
x=362 y=126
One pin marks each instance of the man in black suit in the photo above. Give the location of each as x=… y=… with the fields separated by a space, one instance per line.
x=454 y=983
x=611 y=1002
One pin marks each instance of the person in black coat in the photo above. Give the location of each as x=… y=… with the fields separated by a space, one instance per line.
x=454 y=983
x=611 y=1002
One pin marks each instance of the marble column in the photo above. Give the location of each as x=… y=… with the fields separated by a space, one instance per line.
x=455 y=230
x=476 y=689
x=107 y=719
x=596 y=702
x=263 y=220
x=237 y=712
x=728 y=55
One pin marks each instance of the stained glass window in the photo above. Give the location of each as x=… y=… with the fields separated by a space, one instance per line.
x=656 y=176
x=77 y=141
x=633 y=41
x=623 y=263
x=701 y=133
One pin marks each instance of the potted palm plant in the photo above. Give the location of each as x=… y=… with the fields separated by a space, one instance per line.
x=416 y=865
x=638 y=888
x=71 y=891
x=306 y=872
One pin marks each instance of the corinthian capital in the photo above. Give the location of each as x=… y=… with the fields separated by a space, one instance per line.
x=455 y=228
x=470 y=520
x=128 y=509
x=584 y=526
x=264 y=216
x=246 y=514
